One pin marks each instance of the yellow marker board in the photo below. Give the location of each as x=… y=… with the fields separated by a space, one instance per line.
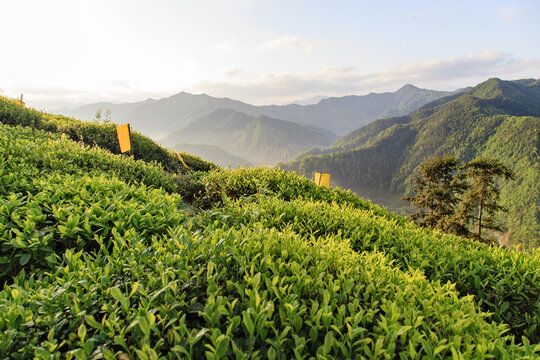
x=181 y=160
x=322 y=179
x=124 y=137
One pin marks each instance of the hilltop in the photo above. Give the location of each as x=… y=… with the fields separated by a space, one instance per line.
x=108 y=256
x=496 y=118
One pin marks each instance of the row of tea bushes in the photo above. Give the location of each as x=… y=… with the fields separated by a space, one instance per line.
x=56 y=194
x=284 y=185
x=13 y=113
x=42 y=217
x=23 y=149
x=504 y=282
x=96 y=134
x=248 y=293
x=104 y=136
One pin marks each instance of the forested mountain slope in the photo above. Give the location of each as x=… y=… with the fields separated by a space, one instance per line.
x=260 y=139
x=496 y=118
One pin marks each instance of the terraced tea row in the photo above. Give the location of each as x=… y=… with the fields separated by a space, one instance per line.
x=247 y=293
x=506 y=283
x=33 y=152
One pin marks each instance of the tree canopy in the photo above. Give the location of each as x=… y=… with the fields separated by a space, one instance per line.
x=456 y=198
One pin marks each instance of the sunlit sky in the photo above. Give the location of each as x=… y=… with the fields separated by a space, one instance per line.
x=66 y=53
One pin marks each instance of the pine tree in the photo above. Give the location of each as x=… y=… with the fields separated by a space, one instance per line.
x=479 y=202
x=437 y=193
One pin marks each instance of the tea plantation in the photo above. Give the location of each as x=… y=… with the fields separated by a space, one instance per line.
x=103 y=256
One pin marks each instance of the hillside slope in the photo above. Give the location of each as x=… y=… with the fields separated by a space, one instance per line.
x=103 y=259
x=260 y=139
x=96 y=134
x=496 y=118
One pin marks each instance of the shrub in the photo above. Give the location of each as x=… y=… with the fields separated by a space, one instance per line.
x=282 y=184
x=504 y=282
x=247 y=293
x=95 y=134
x=42 y=217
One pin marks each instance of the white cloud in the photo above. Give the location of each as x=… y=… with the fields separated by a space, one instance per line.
x=231 y=72
x=226 y=46
x=419 y=13
x=287 y=41
x=509 y=12
x=443 y=74
x=279 y=88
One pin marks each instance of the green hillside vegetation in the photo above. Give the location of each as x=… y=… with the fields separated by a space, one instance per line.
x=260 y=139
x=95 y=134
x=496 y=119
x=102 y=256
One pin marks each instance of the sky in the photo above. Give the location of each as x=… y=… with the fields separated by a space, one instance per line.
x=73 y=52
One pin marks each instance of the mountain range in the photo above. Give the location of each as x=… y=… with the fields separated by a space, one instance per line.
x=498 y=119
x=156 y=118
x=175 y=119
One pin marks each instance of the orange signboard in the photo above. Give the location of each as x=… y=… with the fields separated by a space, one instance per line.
x=124 y=137
x=322 y=179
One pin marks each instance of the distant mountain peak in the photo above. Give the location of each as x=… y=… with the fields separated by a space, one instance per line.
x=411 y=90
x=408 y=87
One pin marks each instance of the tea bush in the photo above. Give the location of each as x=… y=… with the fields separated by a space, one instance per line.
x=42 y=217
x=12 y=113
x=99 y=257
x=104 y=136
x=95 y=134
x=247 y=293
x=56 y=194
x=23 y=149
x=505 y=283
x=282 y=184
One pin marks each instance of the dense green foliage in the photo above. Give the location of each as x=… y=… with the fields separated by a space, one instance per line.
x=248 y=293
x=520 y=196
x=95 y=134
x=281 y=184
x=496 y=119
x=490 y=273
x=436 y=194
x=71 y=198
x=101 y=257
x=455 y=198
